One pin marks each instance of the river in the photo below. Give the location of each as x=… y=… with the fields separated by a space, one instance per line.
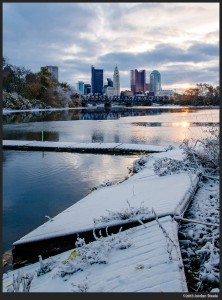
x=40 y=184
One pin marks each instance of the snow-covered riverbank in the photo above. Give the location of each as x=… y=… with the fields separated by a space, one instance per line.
x=199 y=243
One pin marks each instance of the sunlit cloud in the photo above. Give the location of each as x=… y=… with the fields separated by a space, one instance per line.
x=181 y=40
x=73 y=49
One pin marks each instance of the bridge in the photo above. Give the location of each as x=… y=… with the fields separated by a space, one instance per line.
x=119 y=100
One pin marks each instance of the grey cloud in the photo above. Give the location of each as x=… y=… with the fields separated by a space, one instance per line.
x=157 y=59
x=76 y=65
x=195 y=53
x=186 y=73
x=37 y=34
x=163 y=53
x=204 y=49
x=46 y=22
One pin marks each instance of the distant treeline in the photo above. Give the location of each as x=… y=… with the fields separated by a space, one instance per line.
x=202 y=94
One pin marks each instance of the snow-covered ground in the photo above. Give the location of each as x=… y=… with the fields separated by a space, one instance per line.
x=119 y=147
x=9 y=111
x=199 y=243
x=135 y=260
x=145 y=258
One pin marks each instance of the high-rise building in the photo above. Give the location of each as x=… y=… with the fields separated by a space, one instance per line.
x=80 y=87
x=147 y=87
x=54 y=70
x=116 y=82
x=96 y=80
x=138 y=81
x=155 y=82
x=87 y=89
x=108 y=86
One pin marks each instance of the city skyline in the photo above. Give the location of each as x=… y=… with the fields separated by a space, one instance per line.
x=182 y=43
x=139 y=82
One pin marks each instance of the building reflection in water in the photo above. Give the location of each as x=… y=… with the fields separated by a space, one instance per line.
x=97 y=137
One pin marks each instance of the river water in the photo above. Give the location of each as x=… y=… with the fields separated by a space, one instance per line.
x=39 y=184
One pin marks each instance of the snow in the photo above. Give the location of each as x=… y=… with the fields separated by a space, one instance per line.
x=144 y=188
x=202 y=242
x=87 y=146
x=139 y=265
x=146 y=258
x=8 y=111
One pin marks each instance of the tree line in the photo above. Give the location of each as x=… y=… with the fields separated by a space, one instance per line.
x=37 y=86
x=201 y=94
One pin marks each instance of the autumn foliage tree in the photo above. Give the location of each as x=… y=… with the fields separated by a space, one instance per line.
x=35 y=86
x=201 y=94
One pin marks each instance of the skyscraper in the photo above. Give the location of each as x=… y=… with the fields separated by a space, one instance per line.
x=97 y=80
x=116 y=82
x=87 y=88
x=138 y=81
x=80 y=87
x=155 y=82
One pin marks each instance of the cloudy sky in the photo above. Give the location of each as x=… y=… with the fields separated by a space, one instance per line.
x=180 y=40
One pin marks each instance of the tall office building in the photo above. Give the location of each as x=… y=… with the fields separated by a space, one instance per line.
x=138 y=81
x=155 y=82
x=96 y=80
x=116 y=82
x=80 y=87
x=54 y=70
x=87 y=89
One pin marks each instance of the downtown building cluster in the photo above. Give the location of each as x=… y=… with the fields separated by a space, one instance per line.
x=138 y=83
x=97 y=87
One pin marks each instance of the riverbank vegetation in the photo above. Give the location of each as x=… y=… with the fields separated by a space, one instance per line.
x=200 y=242
x=23 y=89
x=201 y=94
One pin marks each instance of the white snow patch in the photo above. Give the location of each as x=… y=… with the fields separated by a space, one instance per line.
x=142 y=266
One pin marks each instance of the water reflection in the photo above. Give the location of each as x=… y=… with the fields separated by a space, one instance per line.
x=181 y=124
x=98 y=113
x=97 y=137
x=160 y=126
x=35 y=185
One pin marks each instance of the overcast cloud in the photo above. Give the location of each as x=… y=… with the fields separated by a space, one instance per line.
x=180 y=40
